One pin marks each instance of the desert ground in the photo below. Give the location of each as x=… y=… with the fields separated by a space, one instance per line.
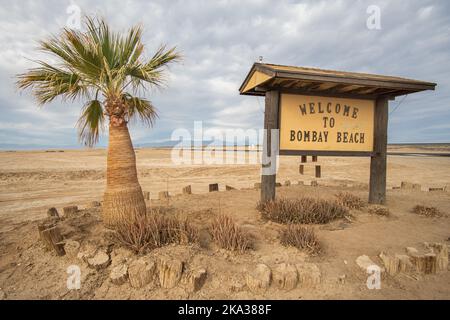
x=31 y=182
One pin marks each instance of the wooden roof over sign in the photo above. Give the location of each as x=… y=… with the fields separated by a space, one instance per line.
x=265 y=77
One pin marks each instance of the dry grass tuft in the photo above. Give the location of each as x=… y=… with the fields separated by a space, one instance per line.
x=430 y=212
x=350 y=201
x=227 y=235
x=302 y=211
x=301 y=237
x=155 y=230
x=379 y=210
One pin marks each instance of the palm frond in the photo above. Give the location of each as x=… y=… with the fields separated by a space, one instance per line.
x=140 y=108
x=90 y=123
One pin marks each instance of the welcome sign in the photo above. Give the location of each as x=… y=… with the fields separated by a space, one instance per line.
x=313 y=123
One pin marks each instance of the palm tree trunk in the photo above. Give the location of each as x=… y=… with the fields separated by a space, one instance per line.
x=123 y=198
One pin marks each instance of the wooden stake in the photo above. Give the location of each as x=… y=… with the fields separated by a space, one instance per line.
x=318 y=172
x=52 y=238
x=304 y=159
x=301 y=169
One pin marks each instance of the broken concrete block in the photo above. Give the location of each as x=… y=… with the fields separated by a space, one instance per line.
x=309 y=275
x=119 y=274
x=141 y=272
x=285 y=276
x=195 y=279
x=258 y=279
x=170 y=271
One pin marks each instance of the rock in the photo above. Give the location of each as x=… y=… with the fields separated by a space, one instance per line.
x=53 y=213
x=229 y=188
x=72 y=248
x=99 y=261
x=70 y=211
x=257 y=185
x=119 y=274
x=364 y=262
x=314 y=183
x=258 y=279
x=141 y=272
x=95 y=204
x=287 y=183
x=187 y=190
x=163 y=195
x=285 y=276
x=170 y=271
x=441 y=251
x=309 y=275
x=194 y=280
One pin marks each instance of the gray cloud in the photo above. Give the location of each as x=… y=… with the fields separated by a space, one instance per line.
x=220 y=40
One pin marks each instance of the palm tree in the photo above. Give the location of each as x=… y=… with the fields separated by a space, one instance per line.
x=107 y=70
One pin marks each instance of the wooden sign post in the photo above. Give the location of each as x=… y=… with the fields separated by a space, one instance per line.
x=326 y=113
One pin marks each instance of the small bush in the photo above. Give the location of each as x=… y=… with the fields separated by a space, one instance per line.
x=350 y=200
x=154 y=230
x=379 y=210
x=427 y=211
x=302 y=238
x=227 y=235
x=302 y=211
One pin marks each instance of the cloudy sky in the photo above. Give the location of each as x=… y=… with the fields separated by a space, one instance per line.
x=220 y=40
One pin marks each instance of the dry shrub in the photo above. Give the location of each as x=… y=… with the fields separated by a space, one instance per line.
x=379 y=210
x=301 y=237
x=350 y=201
x=227 y=234
x=430 y=212
x=155 y=230
x=302 y=211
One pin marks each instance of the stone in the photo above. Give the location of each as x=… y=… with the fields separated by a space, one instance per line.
x=364 y=263
x=195 y=279
x=99 y=261
x=314 y=183
x=53 y=213
x=285 y=276
x=309 y=275
x=72 y=248
x=141 y=272
x=164 y=195
x=287 y=183
x=257 y=185
x=187 y=190
x=258 y=279
x=119 y=274
x=170 y=271
x=70 y=211
x=229 y=188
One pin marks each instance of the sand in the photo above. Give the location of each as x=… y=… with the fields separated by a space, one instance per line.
x=31 y=182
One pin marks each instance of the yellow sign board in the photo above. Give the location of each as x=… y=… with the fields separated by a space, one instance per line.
x=313 y=123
